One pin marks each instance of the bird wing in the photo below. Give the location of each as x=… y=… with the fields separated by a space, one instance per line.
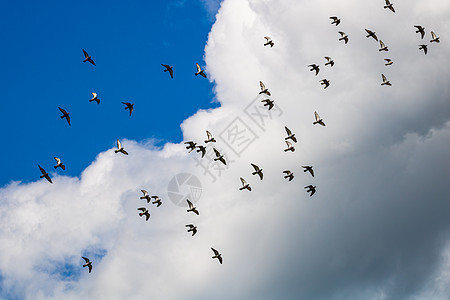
x=433 y=35
x=198 y=67
x=171 y=73
x=42 y=170
x=382 y=44
x=287 y=172
x=208 y=134
x=243 y=181
x=255 y=167
x=342 y=33
x=327 y=58
x=215 y=251
x=189 y=225
x=263 y=87
x=223 y=160
x=62 y=110
x=142 y=209
x=216 y=152
x=165 y=66
x=48 y=178
x=311 y=171
x=333 y=18
x=91 y=61
x=288 y=144
x=85 y=258
x=86 y=55
x=145 y=192
x=220 y=259
x=190 y=204
x=387 y=59
x=90 y=268
x=58 y=161
x=383 y=77
x=387 y=2
x=316 y=115
x=268 y=38
x=94 y=95
x=68 y=119
x=288 y=131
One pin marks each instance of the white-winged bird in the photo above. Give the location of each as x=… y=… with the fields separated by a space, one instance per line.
x=192 y=208
x=120 y=148
x=388 y=62
x=245 y=185
x=385 y=81
x=200 y=71
x=45 y=174
x=289 y=147
x=290 y=135
x=65 y=114
x=382 y=46
x=94 y=98
x=210 y=138
x=168 y=68
x=87 y=58
x=217 y=255
x=59 y=164
x=318 y=119
x=87 y=264
x=264 y=90
x=434 y=37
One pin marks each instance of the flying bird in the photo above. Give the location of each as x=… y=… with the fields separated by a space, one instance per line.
x=45 y=174
x=65 y=114
x=420 y=30
x=318 y=119
x=87 y=264
x=144 y=212
x=290 y=135
x=157 y=201
x=329 y=61
x=289 y=175
x=424 y=48
x=257 y=171
x=336 y=20
x=434 y=37
x=87 y=58
x=382 y=46
x=308 y=169
x=219 y=156
x=59 y=164
x=245 y=185
x=95 y=98
x=190 y=145
x=310 y=188
x=168 y=68
x=389 y=5
x=129 y=106
x=210 y=138
x=192 y=208
x=192 y=228
x=325 y=82
x=217 y=255
x=146 y=196
x=263 y=89
x=201 y=149
x=388 y=62
x=200 y=71
x=314 y=67
x=268 y=41
x=120 y=148
x=268 y=102
x=372 y=34
x=344 y=37
x=289 y=147
x=385 y=81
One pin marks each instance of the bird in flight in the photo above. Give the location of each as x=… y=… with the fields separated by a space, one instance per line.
x=382 y=46
x=325 y=82
x=388 y=62
x=336 y=20
x=310 y=188
x=268 y=102
x=257 y=171
x=192 y=208
x=95 y=98
x=290 y=135
x=385 y=81
x=87 y=58
x=168 y=68
x=146 y=196
x=389 y=5
x=329 y=61
x=129 y=106
x=289 y=175
x=144 y=212
x=192 y=228
x=424 y=48
x=120 y=148
x=420 y=30
x=200 y=71
x=217 y=255
x=45 y=174
x=201 y=149
x=268 y=41
x=157 y=201
x=263 y=89
x=344 y=37
x=314 y=67
x=245 y=185
x=210 y=138
x=308 y=169
x=59 y=164
x=219 y=156
x=289 y=147
x=372 y=34
x=191 y=146
x=87 y=264
x=434 y=37
x=65 y=114
x=318 y=119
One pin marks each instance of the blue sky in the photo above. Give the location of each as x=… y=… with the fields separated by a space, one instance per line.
x=43 y=68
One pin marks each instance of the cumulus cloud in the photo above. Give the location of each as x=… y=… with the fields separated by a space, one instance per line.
x=377 y=228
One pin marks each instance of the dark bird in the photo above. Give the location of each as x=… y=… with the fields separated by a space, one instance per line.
x=420 y=30
x=268 y=102
x=424 y=48
x=201 y=149
x=144 y=212
x=65 y=114
x=289 y=175
x=434 y=37
x=87 y=58
x=245 y=185
x=385 y=81
x=168 y=68
x=217 y=255
x=308 y=169
x=192 y=228
x=388 y=62
x=314 y=67
x=257 y=171
x=344 y=37
x=325 y=82
x=200 y=71
x=290 y=135
x=389 y=5
x=192 y=208
x=382 y=46
x=372 y=34
x=129 y=106
x=120 y=148
x=336 y=21
x=59 y=164
x=146 y=196
x=219 y=156
x=329 y=61
x=310 y=188
x=210 y=138
x=318 y=119
x=191 y=146
x=45 y=174
x=268 y=41
x=94 y=98
x=87 y=264
x=156 y=201
x=289 y=147
x=263 y=89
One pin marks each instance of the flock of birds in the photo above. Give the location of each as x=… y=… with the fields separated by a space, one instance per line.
x=268 y=102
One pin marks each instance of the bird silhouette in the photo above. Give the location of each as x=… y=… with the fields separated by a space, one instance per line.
x=217 y=255
x=389 y=5
x=310 y=188
x=144 y=212
x=59 y=164
x=168 y=68
x=385 y=81
x=290 y=135
x=245 y=185
x=264 y=90
x=268 y=102
x=424 y=48
x=94 y=98
x=129 y=106
x=219 y=156
x=200 y=71
x=383 y=46
x=65 y=114
x=156 y=201
x=318 y=119
x=201 y=149
x=120 y=148
x=192 y=228
x=434 y=37
x=336 y=20
x=388 y=62
x=420 y=30
x=258 y=171
x=146 y=196
x=325 y=82
x=308 y=169
x=269 y=42
x=45 y=174
x=289 y=175
x=87 y=264
x=329 y=61
x=344 y=37
x=372 y=34
x=289 y=147
x=314 y=67
x=190 y=145
x=87 y=58
x=192 y=208
x=210 y=138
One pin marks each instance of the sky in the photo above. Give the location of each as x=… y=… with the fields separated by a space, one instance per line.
x=377 y=227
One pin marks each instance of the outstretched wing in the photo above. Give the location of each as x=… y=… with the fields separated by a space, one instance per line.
x=198 y=67
x=85 y=258
x=382 y=44
x=433 y=35
x=255 y=167
x=316 y=115
x=268 y=38
x=263 y=87
x=42 y=170
x=342 y=33
x=288 y=131
x=86 y=55
x=145 y=192
x=383 y=77
x=119 y=145
x=243 y=181
x=62 y=110
x=216 y=152
x=288 y=144
x=215 y=251
x=208 y=134
x=190 y=204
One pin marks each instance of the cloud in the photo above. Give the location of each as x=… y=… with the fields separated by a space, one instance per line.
x=377 y=228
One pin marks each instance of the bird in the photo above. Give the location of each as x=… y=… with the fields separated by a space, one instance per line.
x=318 y=119
x=192 y=208
x=388 y=62
x=308 y=169
x=424 y=48
x=434 y=37
x=336 y=20
x=420 y=30
x=65 y=114
x=219 y=156
x=200 y=71
x=146 y=196
x=45 y=174
x=120 y=148
x=217 y=255
x=210 y=138
x=87 y=58
x=168 y=68
x=263 y=89
x=59 y=164
x=290 y=135
x=371 y=33
x=157 y=201
x=144 y=212
x=389 y=5
x=325 y=82
x=129 y=106
x=344 y=37
x=268 y=41
x=289 y=147
x=289 y=175
x=190 y=145
x=314 y=67
x=268 y=102
x=87 y=264
x=257 y=171
x=192 y=228
x=385 y=81
x=201 y=149
x=383 y=46
x=245 y=185
x=95 y=98
x=329 y=61
x=310 y=188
